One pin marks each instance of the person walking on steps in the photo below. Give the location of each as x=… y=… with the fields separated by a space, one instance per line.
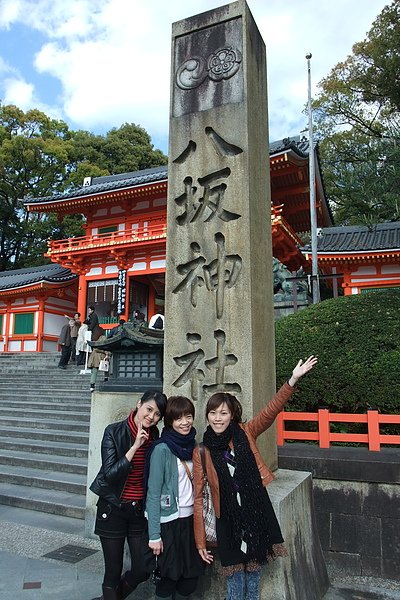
x=96 y=356
x=120 y=487
x=92 y=319
x=248 y=532
x=75 y=323
x=64 y=341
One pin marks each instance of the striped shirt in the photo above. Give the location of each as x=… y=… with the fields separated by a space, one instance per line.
x=134 y=485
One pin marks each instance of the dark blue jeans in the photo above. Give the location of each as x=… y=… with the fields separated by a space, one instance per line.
x=244 y=585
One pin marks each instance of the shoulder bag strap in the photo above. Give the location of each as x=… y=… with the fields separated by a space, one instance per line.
x=189 y=474
x=202 y=451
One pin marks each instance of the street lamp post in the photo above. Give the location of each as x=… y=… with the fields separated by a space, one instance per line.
x=313 y=210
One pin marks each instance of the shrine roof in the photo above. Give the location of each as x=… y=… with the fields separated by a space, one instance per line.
x=129 y=335
x=51 y=274
x=358 y=238
x=108 y=183
x=299 y=145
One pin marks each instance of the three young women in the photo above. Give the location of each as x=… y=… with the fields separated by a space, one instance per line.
x=169 y=503
x=120 y=487
x=248 y=533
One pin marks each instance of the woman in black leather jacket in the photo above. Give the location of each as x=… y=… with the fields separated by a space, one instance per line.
x=120 y=487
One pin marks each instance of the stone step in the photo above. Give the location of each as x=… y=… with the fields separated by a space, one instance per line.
x=22 y=359
x=48 y=374
x=44 y=434
x=68 y=393
x=49 y=447
x=45 y=462
x=49 y=501
x=65 y=425
x=27 y=365
x=59 y=404
x=44 y=379
x=51 y=435
x=17 y=413
x=23 y=367
x=51 y=480
x=79 y=398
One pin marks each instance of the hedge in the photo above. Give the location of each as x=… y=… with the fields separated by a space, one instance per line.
x=357 y=341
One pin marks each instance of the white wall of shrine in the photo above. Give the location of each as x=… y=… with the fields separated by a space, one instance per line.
x=55 y=309
x=375 y=276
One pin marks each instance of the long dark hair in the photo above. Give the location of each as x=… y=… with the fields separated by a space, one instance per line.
x=159 y=398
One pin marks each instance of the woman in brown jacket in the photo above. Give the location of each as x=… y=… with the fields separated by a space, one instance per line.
x=248 y=533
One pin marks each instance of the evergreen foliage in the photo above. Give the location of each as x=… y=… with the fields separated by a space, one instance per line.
x=357 y=341
x=357 y=118
x=40 y=157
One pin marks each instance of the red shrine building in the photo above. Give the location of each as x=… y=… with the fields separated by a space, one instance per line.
x=118 y=265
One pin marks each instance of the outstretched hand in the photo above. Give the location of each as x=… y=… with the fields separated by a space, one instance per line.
x=302 y=368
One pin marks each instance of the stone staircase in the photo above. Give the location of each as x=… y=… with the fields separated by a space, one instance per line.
x=44 y=434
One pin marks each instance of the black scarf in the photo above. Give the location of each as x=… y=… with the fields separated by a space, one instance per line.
x=254 y=521
x=180 y=445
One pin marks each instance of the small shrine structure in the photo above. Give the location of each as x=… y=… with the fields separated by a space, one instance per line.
x=137 y=359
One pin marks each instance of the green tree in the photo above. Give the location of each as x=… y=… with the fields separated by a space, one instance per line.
x=123 y=150
x=34 y=160
x=39 y=157
x=357 y=116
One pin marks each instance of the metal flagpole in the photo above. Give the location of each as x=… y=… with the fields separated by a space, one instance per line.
x=313 y=210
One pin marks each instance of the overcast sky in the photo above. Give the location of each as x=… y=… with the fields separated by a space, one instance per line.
x=97 y=64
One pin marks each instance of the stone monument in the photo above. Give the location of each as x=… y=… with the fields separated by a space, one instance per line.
x=219 y=333
x=219 y=307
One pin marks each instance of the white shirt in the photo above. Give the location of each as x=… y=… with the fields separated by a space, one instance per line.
x=154 y=318
x=185 y=489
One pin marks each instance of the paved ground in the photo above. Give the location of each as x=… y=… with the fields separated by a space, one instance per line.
x=27 y=574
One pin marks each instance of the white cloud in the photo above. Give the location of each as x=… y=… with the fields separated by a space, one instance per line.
x=18 y=92
x=112 y=57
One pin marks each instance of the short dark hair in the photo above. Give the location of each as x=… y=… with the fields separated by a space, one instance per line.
x=177 y=406
x=231 y=401
x=122 y=321
x=159 y=398
x=91 y=306
x=78 y=313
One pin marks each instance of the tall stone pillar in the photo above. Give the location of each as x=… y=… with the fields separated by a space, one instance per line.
x=219 y=305
x=219 y=333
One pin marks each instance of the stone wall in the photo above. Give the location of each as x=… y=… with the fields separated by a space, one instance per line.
x=357 y=504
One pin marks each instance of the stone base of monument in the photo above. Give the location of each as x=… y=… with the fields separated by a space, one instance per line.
x=302 y=575
x=106 y=408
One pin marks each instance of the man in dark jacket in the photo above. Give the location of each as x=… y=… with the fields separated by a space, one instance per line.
x=65 y=342
x=92 y=319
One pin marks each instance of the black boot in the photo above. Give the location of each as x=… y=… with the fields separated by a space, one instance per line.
x=125 y=588
x=110 y=594
x=126 y=585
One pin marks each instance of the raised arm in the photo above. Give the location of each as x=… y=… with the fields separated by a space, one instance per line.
x=302 y=368
x=264 y=419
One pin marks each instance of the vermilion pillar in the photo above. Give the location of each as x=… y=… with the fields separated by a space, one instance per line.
x=82 y=293
x=40 y=325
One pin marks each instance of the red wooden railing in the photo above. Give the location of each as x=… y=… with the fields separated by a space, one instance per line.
x=373 y=419
x=141 y=232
